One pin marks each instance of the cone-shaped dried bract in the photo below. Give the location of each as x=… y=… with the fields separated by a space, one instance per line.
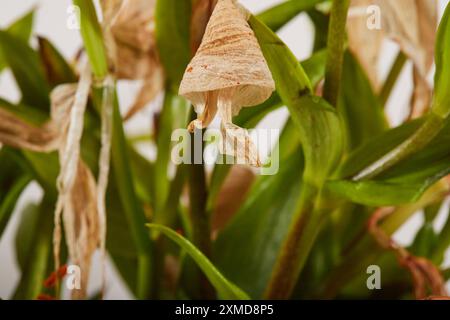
x=227 y=73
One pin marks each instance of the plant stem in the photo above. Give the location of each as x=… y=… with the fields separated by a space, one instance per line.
x=198 y=197
x=391 y=79
x=336 y=47
x=296 y=248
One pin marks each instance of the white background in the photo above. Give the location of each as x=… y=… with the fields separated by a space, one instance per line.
x=51 y=22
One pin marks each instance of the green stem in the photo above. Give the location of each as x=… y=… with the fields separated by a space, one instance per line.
x=336 y=47
x=392 y=77
x=298 y=244
x=198 y=197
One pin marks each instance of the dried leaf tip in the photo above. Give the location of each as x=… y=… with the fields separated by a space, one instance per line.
x=227 y=73
x=129 y=29
x=411 y=24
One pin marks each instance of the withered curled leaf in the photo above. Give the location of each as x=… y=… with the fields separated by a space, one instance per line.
x=76 y=185
x=364 y=43
x=425 y=275
x=227 y=73
x=129 y=30
x=18 y=133
x=81 y=225
x=77 y=199
x=412 y=24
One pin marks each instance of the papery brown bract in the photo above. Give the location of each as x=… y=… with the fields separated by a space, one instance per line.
x=227 y=73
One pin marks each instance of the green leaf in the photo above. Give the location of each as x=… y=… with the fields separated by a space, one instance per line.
x=35 y=256
x=172 y=36
x=360 y=109
x=225 y=288
x=24 y=235
x=57 y=70
x=318 y=124
x=14 y=181
x=403 y=183
x=442 y=243
x=121 y=170
x=280 y=58
x=27 y=69
x=435 y=120
x=22 y=29
x=425 y=241
x=376 y=147
x=247 y=248
x=132 y=207
x=28 y=114
x=91 y=33
x=320 y=133
x=277 y=16
x=441 y=103
x=174 y=108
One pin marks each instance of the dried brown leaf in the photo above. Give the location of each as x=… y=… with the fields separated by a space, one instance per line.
x=423 y=272
x=129 y=30
x=410 y=23
x=365 y=43
x=17 y=133
x=77 y=198
x=81 y=225
x=76 y=185
x=413 y=24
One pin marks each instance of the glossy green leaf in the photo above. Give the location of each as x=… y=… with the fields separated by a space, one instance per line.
x=27 y=69
x=280 y=14
x=225 y=288
x=404 y=182
x=172 y=27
